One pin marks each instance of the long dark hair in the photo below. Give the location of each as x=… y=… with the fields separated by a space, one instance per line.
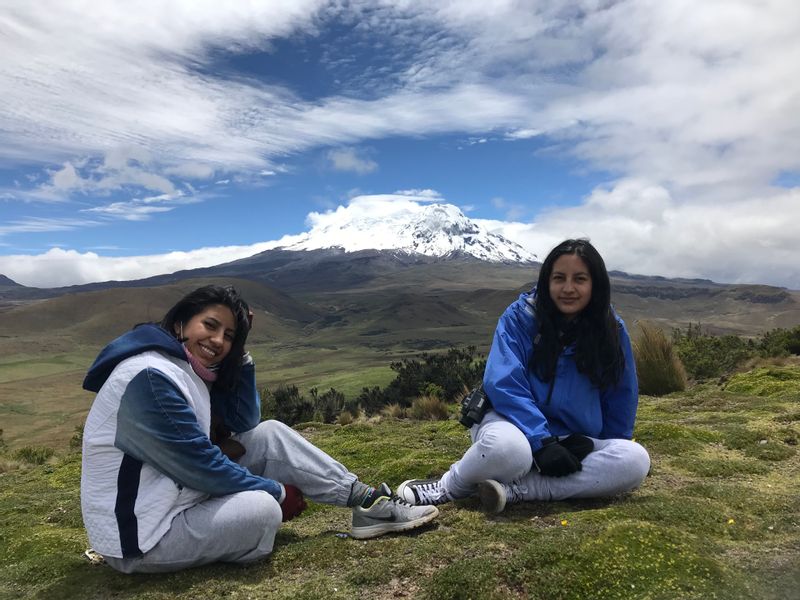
x=196 y=302
x=595 y=330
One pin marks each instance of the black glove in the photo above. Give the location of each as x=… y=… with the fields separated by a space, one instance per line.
x=578 y=444
x=554 y=460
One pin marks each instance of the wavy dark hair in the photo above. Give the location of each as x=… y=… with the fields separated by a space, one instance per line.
x=598 y=354
x=196 y=302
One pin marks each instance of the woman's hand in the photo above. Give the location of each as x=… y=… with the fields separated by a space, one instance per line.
x=293 y=503
x=554 y=460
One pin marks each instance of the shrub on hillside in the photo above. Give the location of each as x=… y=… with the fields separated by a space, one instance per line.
x=35 y=455
x=779 y=343
x=428 y=408
x=658 y=367
x=449 y=371
x=328 y=405
x=371 y=400
x=286 y=404
x=706 y=356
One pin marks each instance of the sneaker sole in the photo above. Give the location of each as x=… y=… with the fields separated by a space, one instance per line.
x=370 y=531
x=492 y=496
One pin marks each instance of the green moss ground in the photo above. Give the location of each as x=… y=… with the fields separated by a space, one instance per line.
x=718 y=517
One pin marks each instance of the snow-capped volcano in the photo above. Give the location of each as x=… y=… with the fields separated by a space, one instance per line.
x=438 y=229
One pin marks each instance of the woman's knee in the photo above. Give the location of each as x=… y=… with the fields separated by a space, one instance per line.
x=258 y=511
x=640 y=460
x=508 y=447
x=635 y=462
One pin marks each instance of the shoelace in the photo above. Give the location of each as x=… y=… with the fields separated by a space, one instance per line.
x=514 y=492
x=395 y=499
x=431 y=492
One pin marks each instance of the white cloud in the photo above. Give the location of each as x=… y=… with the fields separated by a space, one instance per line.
x=349 y=159
x=426 y=194
x=44 y=225
x=58 y=267
x=639 y=227
x=129 y=211
x=368 y=208
x=141 y=209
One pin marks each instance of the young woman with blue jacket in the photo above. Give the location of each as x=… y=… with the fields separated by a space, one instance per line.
x=561 y=382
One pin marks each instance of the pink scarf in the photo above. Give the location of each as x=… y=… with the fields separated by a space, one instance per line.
x=203 y=373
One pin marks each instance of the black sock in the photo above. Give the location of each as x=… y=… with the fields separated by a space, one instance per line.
x=362 y=495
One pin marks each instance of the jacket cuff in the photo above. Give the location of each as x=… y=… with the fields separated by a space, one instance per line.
x=283 y=493
x=539 y=441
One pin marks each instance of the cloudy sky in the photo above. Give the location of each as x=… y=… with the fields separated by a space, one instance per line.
x=140 y=138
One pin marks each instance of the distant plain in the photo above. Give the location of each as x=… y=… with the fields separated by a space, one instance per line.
x=326 y=322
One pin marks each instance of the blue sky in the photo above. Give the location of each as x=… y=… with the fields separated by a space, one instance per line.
x=136 y=140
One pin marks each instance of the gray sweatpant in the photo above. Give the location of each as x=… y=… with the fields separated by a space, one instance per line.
x=241 y=527
x=501 y=452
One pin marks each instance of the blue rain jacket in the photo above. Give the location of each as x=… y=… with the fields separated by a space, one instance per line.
x=574 y=405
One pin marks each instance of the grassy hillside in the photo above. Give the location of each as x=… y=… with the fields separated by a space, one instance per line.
x=718 y=517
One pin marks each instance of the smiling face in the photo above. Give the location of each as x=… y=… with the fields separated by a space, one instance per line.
x=570 y=285
x=209 y=334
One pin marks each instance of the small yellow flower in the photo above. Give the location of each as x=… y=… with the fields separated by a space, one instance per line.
x=564 y=522
x=731 y=521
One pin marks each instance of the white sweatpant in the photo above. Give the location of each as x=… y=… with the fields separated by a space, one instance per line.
x=241 y=527
x=501 y=452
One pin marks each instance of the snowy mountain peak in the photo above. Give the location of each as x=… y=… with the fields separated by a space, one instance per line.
x=429 y=229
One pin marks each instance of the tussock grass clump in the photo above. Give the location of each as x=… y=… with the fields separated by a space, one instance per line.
x=345 y=418
x=393 y=411
x=429 y=408
x=658 y=367
x=35 y=455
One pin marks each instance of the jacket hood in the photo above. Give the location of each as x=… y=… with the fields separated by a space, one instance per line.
x=140 y=339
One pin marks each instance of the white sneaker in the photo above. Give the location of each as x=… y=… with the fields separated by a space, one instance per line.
x=423 y=492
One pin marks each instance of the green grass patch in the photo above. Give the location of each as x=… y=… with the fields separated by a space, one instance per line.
x=772 y=381
x=763 y=444
x=719 y=465
x=26 y=366
x=673 y=438
x=623 y=560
